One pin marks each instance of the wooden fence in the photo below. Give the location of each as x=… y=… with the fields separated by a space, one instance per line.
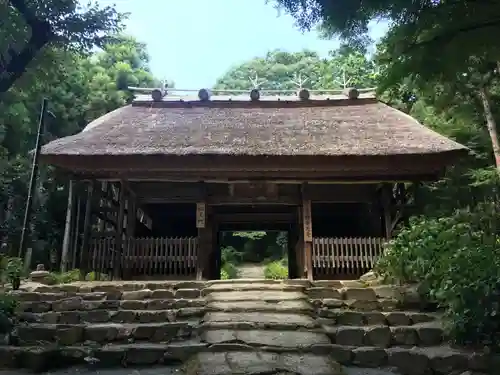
x=345 y=257
x=141 y=257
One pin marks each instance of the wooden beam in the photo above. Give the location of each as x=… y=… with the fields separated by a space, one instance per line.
x=204 y=240
x=76 y=231
x=86 y=231
x=118 y=253
x=308 y=236
x=67 y=227
x=255 y=217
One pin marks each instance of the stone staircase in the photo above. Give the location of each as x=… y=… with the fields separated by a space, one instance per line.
x=233 y=327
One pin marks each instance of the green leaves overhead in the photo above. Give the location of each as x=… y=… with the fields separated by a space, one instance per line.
x=80 y=88
x=28 y=26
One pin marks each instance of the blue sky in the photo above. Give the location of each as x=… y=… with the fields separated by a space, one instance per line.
x=193 y=42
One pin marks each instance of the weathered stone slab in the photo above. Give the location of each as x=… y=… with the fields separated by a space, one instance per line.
x=362 y=294
x=284 y=339
x=262 y=363
x=258 y=320
x=337 y=284
x=255 y=296
x=299 y=306
x=324 y=292
x=251 y=287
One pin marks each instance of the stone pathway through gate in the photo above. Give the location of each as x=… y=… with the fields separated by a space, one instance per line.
x=251 y=271
x=244 y=327
x=261 y=329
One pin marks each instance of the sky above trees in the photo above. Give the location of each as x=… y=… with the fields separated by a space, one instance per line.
x=198 y=47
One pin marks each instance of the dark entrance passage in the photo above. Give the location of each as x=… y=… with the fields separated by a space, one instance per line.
x=254 y=254
x=277 y=223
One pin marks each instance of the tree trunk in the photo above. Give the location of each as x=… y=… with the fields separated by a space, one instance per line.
x=41 y=34
x=491 y=125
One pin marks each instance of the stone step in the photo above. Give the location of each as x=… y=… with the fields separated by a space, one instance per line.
x=111 y=286
x=366 y=298
x=244 y=287
x=199 y=358
x=77 y=303
x=112 y=294
x=115 y=316
x=47 y=357
x=257 y=320
x=291 y=306
x=360 y=318
x=71 y=334
x=251 y=362
x=255 y=295
x=438 y=360
x=291 y=340
x=422 y=334
x=235 y=282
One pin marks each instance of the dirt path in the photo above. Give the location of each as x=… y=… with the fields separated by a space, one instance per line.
x=251 y=271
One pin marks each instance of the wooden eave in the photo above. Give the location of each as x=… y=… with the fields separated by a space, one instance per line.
x=207 y=167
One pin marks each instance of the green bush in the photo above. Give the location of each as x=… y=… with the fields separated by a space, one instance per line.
x=228 y=271
x=230 y=255
x=8 y=305
x=92 y=276
x=54 y=278
x=456 y=261
x=276 y=270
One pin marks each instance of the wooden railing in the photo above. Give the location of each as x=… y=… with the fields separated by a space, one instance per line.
x=156 y=257
x=345 y=257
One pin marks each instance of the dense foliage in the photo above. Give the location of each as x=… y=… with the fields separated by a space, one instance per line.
x=29 y=27
x=431 y=65
x=438 y=63
x=80 y=88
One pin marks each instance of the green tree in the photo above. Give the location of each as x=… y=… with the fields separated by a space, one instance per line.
x=278 y=70
x=80 y=88
x=28 y=26
x=286 y=71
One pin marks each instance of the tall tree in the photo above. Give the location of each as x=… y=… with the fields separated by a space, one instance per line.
x=280 y=70
x=29 y=25
x=81 y=88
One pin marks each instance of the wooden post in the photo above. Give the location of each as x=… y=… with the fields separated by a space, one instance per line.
x=86 y=231
x=203 y=240
x=299 y=245
x=308 y=237
x=386 y=210
x=76 y=229
x=67 y=227
x=117 y=254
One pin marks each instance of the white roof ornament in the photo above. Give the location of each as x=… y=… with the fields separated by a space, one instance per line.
x=158 y=94
x=298 y=81
x=255 y=92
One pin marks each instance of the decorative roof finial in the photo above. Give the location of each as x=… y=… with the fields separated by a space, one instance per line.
x=255 y=82
x=299 y=81
x=158 y=94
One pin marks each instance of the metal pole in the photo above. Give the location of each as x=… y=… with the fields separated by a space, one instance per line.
x=34 y=173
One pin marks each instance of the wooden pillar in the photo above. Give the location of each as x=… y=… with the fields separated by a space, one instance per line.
x=204 y=239
x=84 y=252
x=308 y=237
x=386 y=210
x=118 y=253
x=76 y=229
x=299 y=245
x=67 y=227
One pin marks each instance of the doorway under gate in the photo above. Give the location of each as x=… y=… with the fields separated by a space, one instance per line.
x=255 y=219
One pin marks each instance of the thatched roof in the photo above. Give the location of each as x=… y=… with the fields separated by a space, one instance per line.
x=225 y=126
